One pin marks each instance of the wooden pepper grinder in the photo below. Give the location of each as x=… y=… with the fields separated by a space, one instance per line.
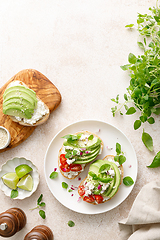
x=11 y=222
x=40 y=232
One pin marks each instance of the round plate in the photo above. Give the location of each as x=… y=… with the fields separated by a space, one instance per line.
x=10 y=166
x=110 y=135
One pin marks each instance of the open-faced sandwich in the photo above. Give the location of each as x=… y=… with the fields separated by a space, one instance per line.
x=77 y=151
x=23 y=106
x=102 y=182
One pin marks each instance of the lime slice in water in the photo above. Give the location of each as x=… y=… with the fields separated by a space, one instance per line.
x=26 y=183
x=10 y=179
x=22 y=170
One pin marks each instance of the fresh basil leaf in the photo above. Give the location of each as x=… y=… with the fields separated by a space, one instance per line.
x=156 y=161
x=53 y=175
x=116 y=158
x=90 y=137
x=130 y=111
x=69 y=136
x=42 y=214
x=93 y=175
x=64 y=185
x=14 y=193
x=118 y=148
x=104 y=168
x=122 y=159
x=128 y=181
x=147 y=140
x=140 y=44
x=137 y=124
x=71 y=223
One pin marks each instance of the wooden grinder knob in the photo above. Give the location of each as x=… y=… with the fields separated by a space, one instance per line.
x=40 y=232
x=11 y=222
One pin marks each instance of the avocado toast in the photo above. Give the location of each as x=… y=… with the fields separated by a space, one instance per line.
x=77 y=151
x=23 y=106
x=102 y=182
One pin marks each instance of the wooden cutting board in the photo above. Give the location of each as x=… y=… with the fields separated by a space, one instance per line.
x=44 y=89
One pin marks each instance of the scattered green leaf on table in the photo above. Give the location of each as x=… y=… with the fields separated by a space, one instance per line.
x=156 y=161
x=71 y=223
x=42 y=214
x=147 y=140
x=14 y=193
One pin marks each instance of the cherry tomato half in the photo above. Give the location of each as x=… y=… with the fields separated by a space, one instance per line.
x=89 y=199
x=63 y=160
x=81 y=190
x=75 y=167
x=98 y=198
x=65 y=168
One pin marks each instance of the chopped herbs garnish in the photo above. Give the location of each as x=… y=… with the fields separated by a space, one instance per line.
x=53 y=175
x=128 y=181
x=64 y=185
x=156 y=161
x=144 y=88
x=71 y=223
x=14 y=193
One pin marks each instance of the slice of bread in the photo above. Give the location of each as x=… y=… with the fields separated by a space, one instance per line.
x=61 y=151
x=108 y=157
x=40 y=121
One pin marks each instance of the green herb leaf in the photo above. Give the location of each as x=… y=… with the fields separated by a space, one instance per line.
x=40 y=199
x=122 y=159
x=71 y=223
x=140 y=44
x=42 y=214
x=64 y=185
x=14 y=193
x=93 y=175
x=128 y=181
x=90 y=137
x=53 y=175
x=125 y=67
x=137 y=124
x=130 y=111
x=104 y=168
x=147 y=140
x=42 y=204
x=151 y=120
x=118 y=148
x=129 y=26
x=116 y=158
x=132 y=58
x=156 y=161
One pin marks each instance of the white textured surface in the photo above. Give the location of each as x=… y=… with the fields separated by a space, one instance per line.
x=79 y=45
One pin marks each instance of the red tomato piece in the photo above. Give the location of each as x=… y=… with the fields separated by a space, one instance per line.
x=65 y=168
x=63 y=160
x=75 y=167
x=81 y=190
x=98 y=198
x=89 y=199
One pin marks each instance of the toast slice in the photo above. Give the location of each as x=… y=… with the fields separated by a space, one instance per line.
x=39 y=114
x=77 y=152
x=102 y=181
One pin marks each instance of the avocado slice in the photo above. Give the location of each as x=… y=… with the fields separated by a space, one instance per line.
x=88 y=158
x=17 y=111
x=20 y=88
x=19 y=101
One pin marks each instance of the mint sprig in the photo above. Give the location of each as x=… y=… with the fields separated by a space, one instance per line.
x=40 y=204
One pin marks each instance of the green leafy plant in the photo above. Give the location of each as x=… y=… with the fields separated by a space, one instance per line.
x=40 y=204
x=144 y=71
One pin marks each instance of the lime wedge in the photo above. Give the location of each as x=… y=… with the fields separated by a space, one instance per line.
x=22 y=170
x=10 y=179
x=26 y=183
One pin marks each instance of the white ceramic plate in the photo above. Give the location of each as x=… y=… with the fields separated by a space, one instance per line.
x=10 y=166
x=110 y=136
